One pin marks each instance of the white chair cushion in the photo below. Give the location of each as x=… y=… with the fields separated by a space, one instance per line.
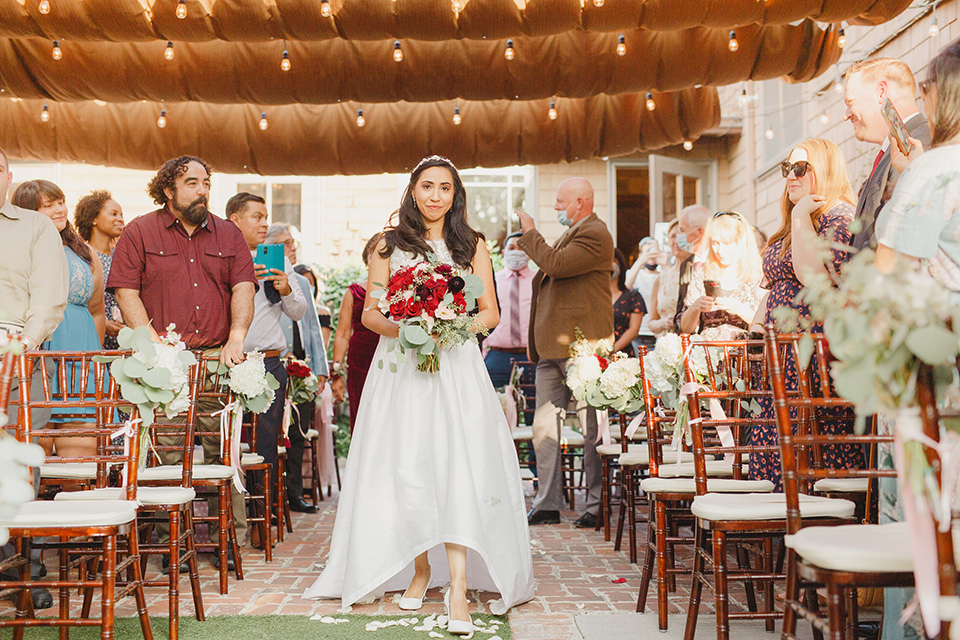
x=523 y=433
x=175 y=472
x=856 y=547
x=69 y=470
x=526 y=474
x=145 y=495
x=245 y=447
x=281 y=450
x=639 y=434
x=766 y=506
x=841 y=485
x=571 y=438
x=251 y=458
x=642 y=457
x=311 y=434
x=714 y=485
x=50 y=513
x=617 y=449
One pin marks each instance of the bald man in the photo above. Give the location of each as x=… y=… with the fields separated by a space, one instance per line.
x=692 y=238
x=571 y=291
x=869 y=84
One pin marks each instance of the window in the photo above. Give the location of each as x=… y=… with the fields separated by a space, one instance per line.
x=783 y=116
x=492 y=197
x=283 y=199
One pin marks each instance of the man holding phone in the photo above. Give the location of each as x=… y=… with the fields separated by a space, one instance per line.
x=870 y=83
x=275 y=299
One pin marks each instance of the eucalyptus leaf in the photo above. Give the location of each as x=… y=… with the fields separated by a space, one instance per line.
x=157 y=377
x=133 y=392
x=212 y=366
x=134 y=368
x=116 y=370
x=391 y=345
x=187 y=358
x=124 y=337
x=428 y=347
x=272 y=382
x=379 y=364
x=393 y=367
x=415 y=334
x=933 y=344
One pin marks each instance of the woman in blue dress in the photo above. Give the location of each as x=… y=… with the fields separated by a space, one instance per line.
x=84 y=321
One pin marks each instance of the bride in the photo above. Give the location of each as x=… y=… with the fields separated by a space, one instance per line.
x=432 y=491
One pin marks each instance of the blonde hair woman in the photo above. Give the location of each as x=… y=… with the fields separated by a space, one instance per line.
x=723 y=299
x=817 y=204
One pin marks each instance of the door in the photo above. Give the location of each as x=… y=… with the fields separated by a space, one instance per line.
x=675 y=184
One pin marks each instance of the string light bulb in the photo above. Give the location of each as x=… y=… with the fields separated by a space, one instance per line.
x=733 y=44
x=934 y=28
x=182 y=9
x=44 y=7
x=651 y=105
x=456 y=115
x=621 y=46
x=360 y=119
x=57 y=52
x=162 y=120
x=598 y=3
x=397 y=51
x=769 y=134
x=688 y=144
x=457 y=6
x=743 y=100
x=508 y=52
x=285 y=61
x=45 y=114
x=263 y=121
x=168 y=52
x=325 y=10
x=552 y=112
x=824 y=118
x=841 y=38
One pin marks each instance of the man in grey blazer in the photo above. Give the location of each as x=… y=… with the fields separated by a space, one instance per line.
x=869 y=83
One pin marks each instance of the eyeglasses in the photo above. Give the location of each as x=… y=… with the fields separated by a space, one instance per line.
x=290 y=243
x=799 y=169
x=736 y=215
x=925 y=85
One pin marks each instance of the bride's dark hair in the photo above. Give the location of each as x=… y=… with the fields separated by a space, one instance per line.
x=407 y=234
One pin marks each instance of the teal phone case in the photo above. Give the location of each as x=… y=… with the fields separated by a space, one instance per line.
x=270 y=256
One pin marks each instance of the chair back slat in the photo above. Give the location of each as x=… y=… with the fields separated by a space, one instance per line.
x=90 y=412
x=657 y=417
x=734 y=379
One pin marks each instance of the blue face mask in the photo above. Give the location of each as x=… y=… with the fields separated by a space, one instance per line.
x=684 y=244
x=563 y=219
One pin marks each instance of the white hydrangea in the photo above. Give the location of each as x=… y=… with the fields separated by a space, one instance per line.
x=249 y=378
x=661 y=379
x=582 y=370
x=669 y=350
x=619 y=377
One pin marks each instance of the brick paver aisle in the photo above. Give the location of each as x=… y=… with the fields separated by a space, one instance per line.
x=574 y=568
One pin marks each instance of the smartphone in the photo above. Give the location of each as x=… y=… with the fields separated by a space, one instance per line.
x=270 y=256
x=896 y=126
x=712 y=288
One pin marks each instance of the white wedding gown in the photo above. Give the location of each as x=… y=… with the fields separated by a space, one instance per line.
x=431 y=461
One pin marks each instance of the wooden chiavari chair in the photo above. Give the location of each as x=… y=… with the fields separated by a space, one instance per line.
x=259 y=494
x=99 y=528
x=755 y=519
x=840 y=558
x=207 y=399
x=672 y=486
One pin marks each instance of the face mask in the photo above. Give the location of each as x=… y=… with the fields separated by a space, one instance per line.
x=684 y=244
x=563 y=219
x=515 y=259
x=616 y=272
x=652 y=267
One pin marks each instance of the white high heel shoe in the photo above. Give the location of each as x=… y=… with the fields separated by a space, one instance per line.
x=456 y=627
x=412 y=604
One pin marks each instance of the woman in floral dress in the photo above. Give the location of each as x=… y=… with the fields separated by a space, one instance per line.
x=817 y=202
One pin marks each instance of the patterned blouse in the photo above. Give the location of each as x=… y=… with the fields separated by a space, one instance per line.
x=111 y=309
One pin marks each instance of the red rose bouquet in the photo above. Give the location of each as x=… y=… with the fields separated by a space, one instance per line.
x=301 y=382
x=430 y=300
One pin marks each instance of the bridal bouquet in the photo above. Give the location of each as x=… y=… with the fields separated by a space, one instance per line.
x=604 y=380
x=156 y=375
x=430 y=300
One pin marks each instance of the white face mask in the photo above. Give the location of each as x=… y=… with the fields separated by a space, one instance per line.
x=515 y=259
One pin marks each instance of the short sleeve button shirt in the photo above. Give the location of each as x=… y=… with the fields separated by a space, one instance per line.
x=185 y=280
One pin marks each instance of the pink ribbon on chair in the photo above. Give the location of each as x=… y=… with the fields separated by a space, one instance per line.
x=603 y=426
x=716 y=413
x=231 y=422
x=287 y=416
x=511 y=410
x=127 y=431
x=920 y=519
x=634 y=425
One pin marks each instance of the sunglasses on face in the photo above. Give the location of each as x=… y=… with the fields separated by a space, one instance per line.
x=799 y=169
x=736 y=215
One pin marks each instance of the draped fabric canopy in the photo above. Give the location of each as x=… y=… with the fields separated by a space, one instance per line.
x=100 y=100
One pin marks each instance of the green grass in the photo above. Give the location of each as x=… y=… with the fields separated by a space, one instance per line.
x=269 y=628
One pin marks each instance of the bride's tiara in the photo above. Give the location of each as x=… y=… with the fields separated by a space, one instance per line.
x=431 y=159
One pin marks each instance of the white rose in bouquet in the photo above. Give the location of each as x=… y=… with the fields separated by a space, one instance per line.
x=669 y=350
x=249 y=378
x=582 y=370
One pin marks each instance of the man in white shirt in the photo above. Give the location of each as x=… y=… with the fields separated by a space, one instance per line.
x=508 y=341
x=273 y=300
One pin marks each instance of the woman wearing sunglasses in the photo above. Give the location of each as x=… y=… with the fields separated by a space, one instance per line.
x=817 y=204
x=921 y=222
x=723 y=299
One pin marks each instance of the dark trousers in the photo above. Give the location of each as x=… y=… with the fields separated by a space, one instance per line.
x=269 y=425
x=295 y=451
